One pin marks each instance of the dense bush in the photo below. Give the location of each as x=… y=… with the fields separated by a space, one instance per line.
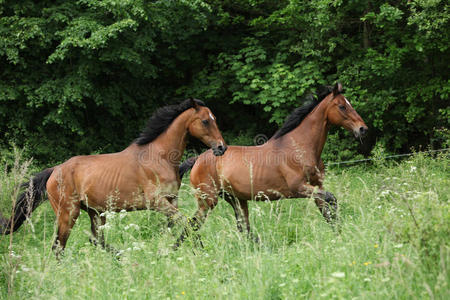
x=84 y=76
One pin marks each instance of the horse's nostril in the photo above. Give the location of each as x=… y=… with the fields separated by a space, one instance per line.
x=219 y=150
x=362 y=130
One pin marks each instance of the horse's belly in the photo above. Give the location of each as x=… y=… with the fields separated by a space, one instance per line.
x=113 y=199
x=266 y=188
x=129 y=197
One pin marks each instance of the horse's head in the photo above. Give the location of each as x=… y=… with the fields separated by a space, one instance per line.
x=341 y=113
x=202 y=125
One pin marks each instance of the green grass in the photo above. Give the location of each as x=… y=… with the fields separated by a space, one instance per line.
x=394 y=243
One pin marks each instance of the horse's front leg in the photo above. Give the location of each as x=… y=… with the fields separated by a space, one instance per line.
x=328 y=206
x=240 y=208
x=206 y=200
x=174 y=201
x=161 y=201
x=325 y=201
x=331 y=205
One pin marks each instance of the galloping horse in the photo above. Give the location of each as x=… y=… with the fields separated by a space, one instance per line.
x=143 y=176
x=286 y=166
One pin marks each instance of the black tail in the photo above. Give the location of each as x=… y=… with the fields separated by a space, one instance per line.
x=187 y=165
x=27 y=201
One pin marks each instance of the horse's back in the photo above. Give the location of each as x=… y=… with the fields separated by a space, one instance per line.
x=94 y=177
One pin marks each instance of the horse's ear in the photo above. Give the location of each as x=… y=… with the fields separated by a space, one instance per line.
x=194 y=103
x=337 y=89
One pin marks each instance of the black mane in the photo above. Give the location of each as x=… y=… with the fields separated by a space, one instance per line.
x=162 y=118
x=300 y=113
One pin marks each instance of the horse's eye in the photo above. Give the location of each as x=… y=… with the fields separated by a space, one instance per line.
x=342 y=107
x=205 y=122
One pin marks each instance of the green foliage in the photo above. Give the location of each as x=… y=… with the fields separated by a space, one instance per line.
x=386 y=54
x=80 y=76
x=83 y=76
x=341 y=146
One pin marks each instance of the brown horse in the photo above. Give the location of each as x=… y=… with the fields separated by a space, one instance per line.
x=286 y=166
x=143 y=176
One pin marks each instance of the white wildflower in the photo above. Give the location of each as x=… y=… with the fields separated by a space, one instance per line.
x=138 y=245
x=338 y=274
x=122 y=214
x=25 y=269
x=132 y=226
x=13 y=254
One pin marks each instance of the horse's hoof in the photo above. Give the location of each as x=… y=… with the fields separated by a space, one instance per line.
x=254 y=238
x=175 y=246
x=199 y=243
x=117 y=254
x=93 y=241
x=336 y=227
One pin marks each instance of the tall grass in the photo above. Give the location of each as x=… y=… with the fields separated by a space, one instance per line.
x=394 y=243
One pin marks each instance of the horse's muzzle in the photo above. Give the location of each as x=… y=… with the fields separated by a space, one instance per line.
x=219 y=150
x=361 y=132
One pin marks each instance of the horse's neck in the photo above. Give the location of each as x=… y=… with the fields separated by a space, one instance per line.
x=170 y=145
x=312 y=132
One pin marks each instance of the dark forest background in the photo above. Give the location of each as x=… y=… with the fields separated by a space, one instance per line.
x=80 y=77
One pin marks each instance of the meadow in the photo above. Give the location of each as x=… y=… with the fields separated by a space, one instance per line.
x=394 y=242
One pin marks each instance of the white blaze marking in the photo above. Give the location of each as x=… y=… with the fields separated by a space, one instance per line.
x=211 y=116
x=347 y=102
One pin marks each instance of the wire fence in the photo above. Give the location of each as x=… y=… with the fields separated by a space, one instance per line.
x=348 y=162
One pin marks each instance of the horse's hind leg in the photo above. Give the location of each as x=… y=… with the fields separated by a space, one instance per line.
x=96 y=221
x=66 y=206
x=97 y=233
x=66 y=218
